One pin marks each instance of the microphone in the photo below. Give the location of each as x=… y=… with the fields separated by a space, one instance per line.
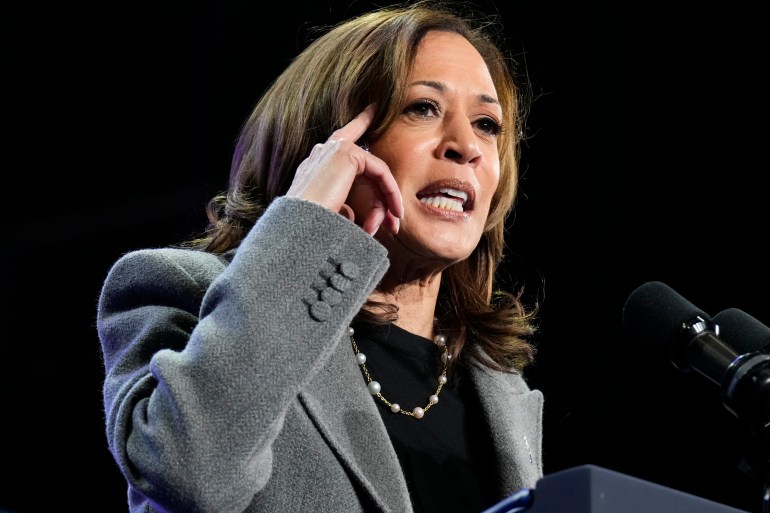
x=742 y=331
x=655 y=313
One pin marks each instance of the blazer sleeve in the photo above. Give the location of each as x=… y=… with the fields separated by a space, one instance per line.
x=203 y=358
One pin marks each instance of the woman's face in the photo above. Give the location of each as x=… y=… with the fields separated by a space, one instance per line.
x=442 y=151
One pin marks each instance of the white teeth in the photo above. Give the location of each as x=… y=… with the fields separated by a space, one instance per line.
x=442 y=202
x=455 y=203
x=454 y=192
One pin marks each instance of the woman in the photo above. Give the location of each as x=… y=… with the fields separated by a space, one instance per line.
x=333 y=342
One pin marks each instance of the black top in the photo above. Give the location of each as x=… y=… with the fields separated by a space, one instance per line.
x=445 y=455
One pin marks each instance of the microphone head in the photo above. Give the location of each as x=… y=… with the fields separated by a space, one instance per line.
x=742 y=332
x=656 y=314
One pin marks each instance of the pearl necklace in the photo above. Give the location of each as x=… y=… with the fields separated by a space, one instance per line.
x=374 y=387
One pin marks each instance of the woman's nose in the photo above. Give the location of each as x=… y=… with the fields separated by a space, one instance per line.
x=460 y=142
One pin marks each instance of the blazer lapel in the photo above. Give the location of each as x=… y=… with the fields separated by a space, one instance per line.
x=345 y=413
x=513 y=413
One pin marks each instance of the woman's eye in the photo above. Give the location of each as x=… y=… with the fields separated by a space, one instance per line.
x=422 y=108
x=488 y=125
x=429 y=109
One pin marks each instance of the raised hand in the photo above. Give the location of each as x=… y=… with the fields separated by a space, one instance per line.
x=327 y=175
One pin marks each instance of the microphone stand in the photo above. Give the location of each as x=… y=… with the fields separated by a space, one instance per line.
x=744 y=387
x=756 y=465
x=746 y=393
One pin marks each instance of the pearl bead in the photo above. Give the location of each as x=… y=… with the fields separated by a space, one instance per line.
x=395 y=408
x=361 y=358
x=445 y=357
x=418 y=412
x=442 y=379
x=440 y=340
x=374 y=387
x=433 y=399
x=350 y=331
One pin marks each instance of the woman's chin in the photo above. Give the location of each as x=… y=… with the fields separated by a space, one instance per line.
x=426 y=249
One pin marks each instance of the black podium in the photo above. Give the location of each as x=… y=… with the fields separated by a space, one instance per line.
x=592 y=489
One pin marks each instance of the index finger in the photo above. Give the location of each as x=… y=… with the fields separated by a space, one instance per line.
x=357 y=126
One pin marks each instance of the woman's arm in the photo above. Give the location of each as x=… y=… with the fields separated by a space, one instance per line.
x=202 y=358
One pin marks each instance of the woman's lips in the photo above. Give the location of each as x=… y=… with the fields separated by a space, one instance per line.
x=450 y=195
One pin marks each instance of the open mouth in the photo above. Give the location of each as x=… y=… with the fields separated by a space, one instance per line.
x=451 y=195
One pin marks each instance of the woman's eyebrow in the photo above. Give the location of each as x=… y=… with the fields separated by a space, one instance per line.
x=484 y=98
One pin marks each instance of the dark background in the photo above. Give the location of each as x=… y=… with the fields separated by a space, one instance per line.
x=646 y=160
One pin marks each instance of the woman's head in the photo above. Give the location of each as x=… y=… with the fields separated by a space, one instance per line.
x=360 y=61
x=441 y=148
x=365 y=60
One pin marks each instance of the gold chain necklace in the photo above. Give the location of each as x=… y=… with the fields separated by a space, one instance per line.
x=374 y=387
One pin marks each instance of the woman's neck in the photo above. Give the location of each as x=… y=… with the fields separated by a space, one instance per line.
x=416 y=302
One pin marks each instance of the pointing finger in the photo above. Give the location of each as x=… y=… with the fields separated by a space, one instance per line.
x=357 y=126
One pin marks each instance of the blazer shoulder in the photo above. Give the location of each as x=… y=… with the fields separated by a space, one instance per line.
x=197 y=265
x=513 y=379
x=155 y=273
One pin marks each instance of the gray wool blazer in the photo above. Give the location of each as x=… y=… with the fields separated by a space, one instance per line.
x=231 y=386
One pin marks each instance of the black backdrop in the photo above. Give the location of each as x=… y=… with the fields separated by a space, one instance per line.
x=645 y=161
